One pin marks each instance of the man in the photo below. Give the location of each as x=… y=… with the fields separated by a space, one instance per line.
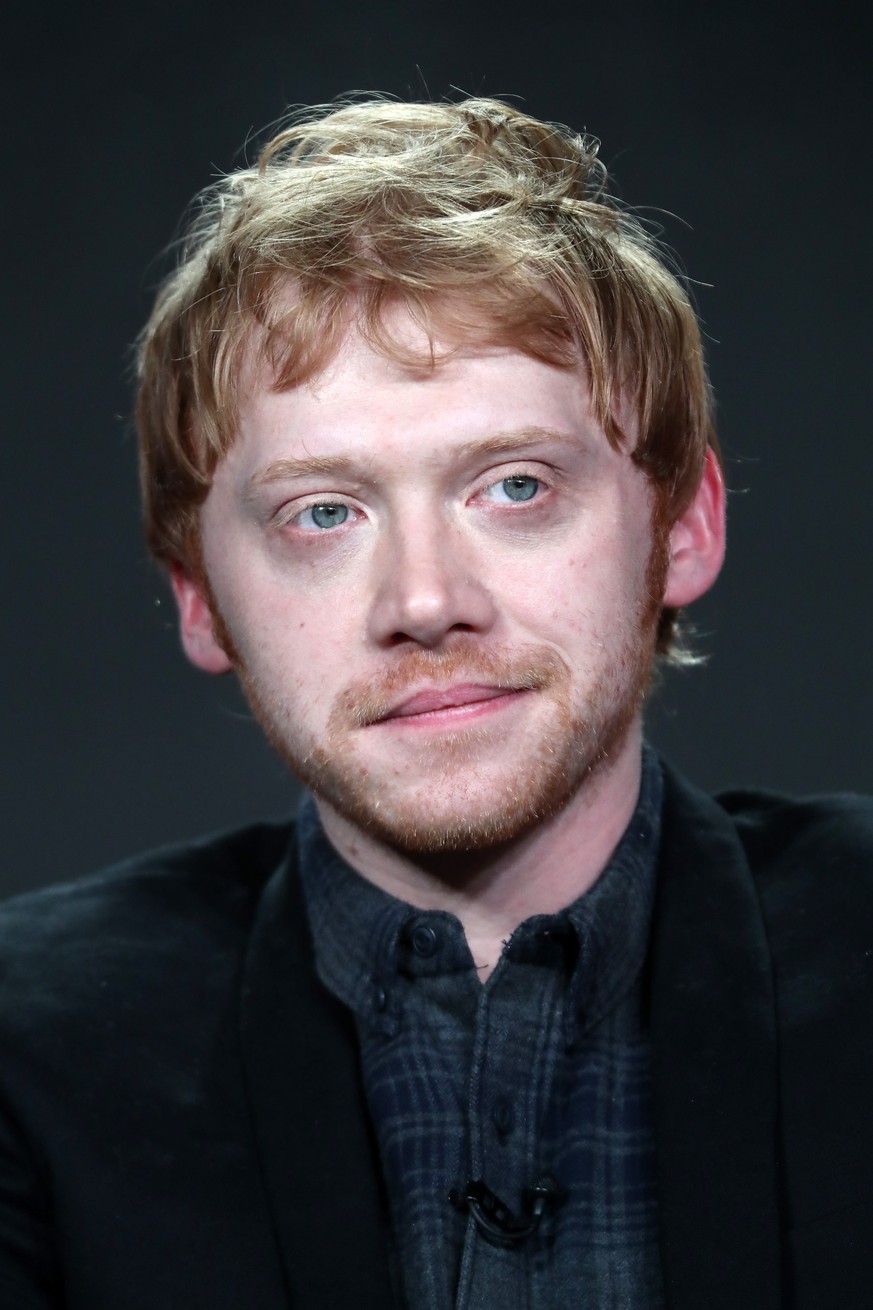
x=513 y=1016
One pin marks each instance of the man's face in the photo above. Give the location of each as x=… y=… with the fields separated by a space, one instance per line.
x=438 y=587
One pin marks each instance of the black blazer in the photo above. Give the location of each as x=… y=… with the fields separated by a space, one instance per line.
x=181 y=1120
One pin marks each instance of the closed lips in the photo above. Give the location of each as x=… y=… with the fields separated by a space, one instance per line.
x=433 y=699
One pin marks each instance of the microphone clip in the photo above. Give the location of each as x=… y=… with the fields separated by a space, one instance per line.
x=493 y=1217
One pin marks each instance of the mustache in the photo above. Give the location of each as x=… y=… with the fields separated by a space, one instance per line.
x=527 y=668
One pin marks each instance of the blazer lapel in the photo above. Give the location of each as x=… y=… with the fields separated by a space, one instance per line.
x=300 y=1062
x=715 y=1067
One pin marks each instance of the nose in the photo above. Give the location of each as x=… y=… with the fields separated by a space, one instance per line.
x=426 y=586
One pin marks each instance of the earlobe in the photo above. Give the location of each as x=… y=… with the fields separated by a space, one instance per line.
x=195 y=624
x=697 y=540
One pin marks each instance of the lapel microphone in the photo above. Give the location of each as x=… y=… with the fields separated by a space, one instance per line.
x=495 y=1220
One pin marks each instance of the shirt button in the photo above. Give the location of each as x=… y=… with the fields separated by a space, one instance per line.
x=502 y=1116
x=425 y=941
x=380 y=998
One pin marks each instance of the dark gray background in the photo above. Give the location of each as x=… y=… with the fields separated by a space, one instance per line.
x=752 y=124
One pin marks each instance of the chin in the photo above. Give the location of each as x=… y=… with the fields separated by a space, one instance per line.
x=468 y=807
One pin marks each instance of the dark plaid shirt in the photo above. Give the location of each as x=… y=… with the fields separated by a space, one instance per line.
x=544 y=1069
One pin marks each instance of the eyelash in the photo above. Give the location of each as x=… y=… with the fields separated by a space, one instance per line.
x=517 y=474
x=325 y=502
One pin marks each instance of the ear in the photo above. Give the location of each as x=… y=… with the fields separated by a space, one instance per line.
x=195 y=624
x=697 y=540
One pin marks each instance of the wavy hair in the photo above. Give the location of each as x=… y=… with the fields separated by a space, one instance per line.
x=483 y=221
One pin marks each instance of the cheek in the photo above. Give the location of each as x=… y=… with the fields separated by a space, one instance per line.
x=602 y=600
x=565 y=591
x=271 y=603
x=297 y=652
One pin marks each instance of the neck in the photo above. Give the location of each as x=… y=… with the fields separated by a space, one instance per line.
x=493 y=891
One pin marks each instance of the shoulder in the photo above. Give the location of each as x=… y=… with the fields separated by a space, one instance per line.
x=828 y=832
x=171 y=909
x=803 y=868
x=815 y=845
x=223 y=868
x=811 y=859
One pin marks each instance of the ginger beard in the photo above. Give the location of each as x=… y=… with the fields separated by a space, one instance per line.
x=480 y=786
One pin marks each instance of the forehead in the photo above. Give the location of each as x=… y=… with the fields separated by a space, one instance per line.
x=429 y=401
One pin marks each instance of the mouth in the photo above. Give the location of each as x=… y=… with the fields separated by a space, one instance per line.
x=435 y=706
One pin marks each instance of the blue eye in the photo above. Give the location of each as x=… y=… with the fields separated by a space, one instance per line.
x=520 y=488
x=324 y=516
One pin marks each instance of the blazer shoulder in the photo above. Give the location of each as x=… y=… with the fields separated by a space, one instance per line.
x=135 y=918
x=811 y=860
x=813 y=840
x=807 y=863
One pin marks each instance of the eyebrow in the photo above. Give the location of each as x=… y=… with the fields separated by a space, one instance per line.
x=287 y=470
x=500 y=443
x=504 y=443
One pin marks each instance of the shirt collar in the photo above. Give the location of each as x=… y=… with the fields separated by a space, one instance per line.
x=360 y=931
